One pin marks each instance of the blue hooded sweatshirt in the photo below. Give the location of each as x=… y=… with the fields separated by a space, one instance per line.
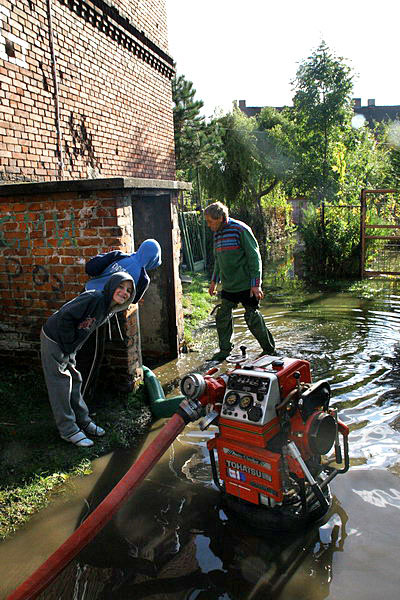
x=102 y=266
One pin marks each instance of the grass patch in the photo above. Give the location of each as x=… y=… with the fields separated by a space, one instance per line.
x=35 y=463
x=197 y=304
x=19 y=503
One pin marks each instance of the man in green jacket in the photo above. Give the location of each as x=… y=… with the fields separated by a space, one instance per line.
x=238 y=267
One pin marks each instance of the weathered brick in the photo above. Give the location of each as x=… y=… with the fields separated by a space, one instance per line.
x=105 y=103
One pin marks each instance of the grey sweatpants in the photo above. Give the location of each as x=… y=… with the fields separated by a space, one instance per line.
x=63 y=382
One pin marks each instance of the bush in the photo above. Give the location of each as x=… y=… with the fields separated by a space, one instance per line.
x=332 y=249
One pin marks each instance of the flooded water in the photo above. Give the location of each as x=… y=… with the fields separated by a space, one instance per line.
x=172 y=539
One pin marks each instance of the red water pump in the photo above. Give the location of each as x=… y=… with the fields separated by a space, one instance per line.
x=275 y=429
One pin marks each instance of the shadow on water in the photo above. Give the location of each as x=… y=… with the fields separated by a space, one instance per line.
x=173 y=540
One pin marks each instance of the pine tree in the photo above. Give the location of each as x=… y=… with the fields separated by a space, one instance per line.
x=189 y=125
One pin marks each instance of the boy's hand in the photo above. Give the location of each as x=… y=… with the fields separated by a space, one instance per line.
x=211 y=289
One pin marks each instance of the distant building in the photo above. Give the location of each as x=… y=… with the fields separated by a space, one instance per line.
x=253 y=111
x=371 y=112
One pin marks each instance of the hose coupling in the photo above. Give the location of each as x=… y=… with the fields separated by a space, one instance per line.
x=190 y=410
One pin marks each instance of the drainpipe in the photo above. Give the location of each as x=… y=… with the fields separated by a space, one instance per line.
x=56 y=96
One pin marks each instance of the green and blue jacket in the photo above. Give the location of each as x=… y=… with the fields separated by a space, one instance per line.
x=237 y=257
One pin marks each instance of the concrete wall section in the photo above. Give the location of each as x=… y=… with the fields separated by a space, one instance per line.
x=299 y=205
x=161 y=325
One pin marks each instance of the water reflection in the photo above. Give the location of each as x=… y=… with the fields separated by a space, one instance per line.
x=174 y=541
x=226 y=562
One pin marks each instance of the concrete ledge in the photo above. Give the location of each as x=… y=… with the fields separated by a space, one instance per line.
x=84 y=185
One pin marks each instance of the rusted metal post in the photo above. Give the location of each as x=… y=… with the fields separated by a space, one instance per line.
x=363 y=213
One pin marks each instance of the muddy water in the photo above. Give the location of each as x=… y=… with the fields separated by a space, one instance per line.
x=173 y=540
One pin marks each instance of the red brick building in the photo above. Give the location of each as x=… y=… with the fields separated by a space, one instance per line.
x=86 y=119
x=85 y=90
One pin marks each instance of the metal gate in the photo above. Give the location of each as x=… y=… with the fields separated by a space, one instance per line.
x=191 y=224
x=380 y=233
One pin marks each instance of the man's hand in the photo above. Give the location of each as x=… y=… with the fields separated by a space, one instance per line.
x=211 y=289
x=257 y=292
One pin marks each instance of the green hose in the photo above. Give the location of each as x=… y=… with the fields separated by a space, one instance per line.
x=160 y=406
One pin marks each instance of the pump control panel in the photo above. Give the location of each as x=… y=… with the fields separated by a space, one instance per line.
x=251 y=396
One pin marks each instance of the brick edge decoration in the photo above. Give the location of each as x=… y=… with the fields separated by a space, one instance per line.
x=48 y=231
x=108 y=20
x=82 y=185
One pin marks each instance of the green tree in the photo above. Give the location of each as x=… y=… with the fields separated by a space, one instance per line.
x=322 y=108
x=361 y=162
x=228 y=177
x=389 y=135
x=194 y=138
x=277 y=158
x=251 y=159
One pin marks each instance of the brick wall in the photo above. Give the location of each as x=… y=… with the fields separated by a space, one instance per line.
x=148 y=16
x=47 y=233
x=113 y=84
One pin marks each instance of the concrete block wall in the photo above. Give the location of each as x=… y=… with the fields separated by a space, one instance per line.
x=105 y=110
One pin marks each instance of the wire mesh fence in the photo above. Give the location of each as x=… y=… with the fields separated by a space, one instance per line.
x=191 y=224
x=380 y=233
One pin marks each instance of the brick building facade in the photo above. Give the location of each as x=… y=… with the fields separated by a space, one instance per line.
x=86 y=119
x=85 y=90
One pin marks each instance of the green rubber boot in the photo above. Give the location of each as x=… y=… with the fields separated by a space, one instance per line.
x=224 y=323
x=255 y=322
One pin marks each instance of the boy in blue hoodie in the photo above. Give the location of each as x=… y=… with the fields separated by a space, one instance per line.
x=146 y=258
x=63 y=334
x=100 y=268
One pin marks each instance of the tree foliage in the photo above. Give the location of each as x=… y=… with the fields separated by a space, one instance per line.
x=311 y=149
x=331 y=244
x=188 y=122
x=235 y=159
x=194 y=138
x=322 y=110
x=252 y=157
x=389 y=135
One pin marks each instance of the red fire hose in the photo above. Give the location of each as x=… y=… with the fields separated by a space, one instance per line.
x=47 y=572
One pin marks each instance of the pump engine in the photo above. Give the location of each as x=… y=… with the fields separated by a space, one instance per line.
x=275 y=428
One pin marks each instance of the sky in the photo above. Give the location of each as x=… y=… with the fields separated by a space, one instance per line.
x=238 y=50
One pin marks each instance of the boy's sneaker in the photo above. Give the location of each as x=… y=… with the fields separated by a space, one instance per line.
x=79 y=439
x=93 y=429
